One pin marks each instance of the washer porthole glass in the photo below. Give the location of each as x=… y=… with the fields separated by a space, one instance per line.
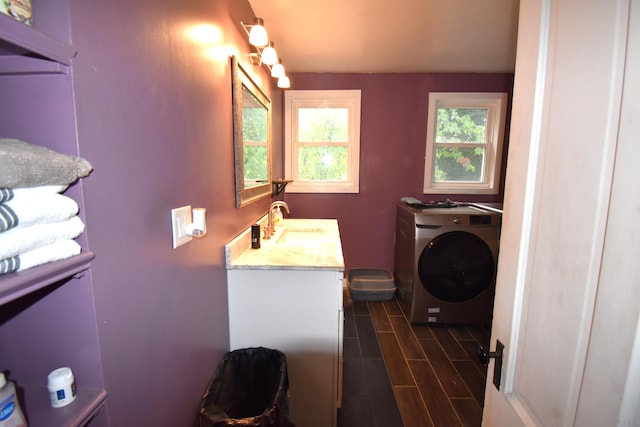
x=456 y=266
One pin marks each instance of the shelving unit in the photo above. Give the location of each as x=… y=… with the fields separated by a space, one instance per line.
x=87 y=403
x=16 y=285
x=20 y=39
x=47 y=316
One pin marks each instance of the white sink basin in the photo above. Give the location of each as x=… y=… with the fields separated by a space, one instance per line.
x=301 y=236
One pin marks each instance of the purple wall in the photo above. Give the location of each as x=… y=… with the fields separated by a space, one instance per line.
x=155 y=120
x=393 y=137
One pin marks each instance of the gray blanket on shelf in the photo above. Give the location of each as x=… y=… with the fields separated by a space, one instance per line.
x=27 y=165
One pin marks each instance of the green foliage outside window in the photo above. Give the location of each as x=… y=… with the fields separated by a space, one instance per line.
x=323 y=124
x=255 y=164
x=254 y=124
x=322 y=163
x=319 y=159
x=254 y=134
x=460 y=126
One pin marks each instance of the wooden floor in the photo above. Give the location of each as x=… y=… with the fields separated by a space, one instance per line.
x=402 y=375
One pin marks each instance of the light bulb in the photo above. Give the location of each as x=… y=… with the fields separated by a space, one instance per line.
x=277 y=70
x=258 y=34
x=284 y=83
x=269 y=55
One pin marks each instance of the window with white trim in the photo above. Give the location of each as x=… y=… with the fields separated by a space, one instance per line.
x=322 y=141
x=465 y=133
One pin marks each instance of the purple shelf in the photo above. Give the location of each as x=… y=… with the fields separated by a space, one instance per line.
x=39 y=412
x=25 y=65
x=18 y=284
x=17 y=38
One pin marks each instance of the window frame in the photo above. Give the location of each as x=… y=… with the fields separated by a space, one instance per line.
x=294 y=99
x=496 y=105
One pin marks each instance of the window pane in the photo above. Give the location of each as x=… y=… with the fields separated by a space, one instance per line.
x=254 y=135
x=322 y=163
x=461 y=125
x=254 y=124
x=459 y=164
x=256 y=165
x=323 y=124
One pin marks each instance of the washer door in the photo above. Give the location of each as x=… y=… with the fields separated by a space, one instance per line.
x=456 y=266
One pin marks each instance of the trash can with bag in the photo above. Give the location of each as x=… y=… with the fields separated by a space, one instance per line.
x=249 y=388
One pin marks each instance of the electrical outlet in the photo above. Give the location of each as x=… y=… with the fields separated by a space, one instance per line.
x=180 y=218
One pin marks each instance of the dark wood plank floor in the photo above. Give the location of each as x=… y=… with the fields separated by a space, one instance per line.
x=402 y=375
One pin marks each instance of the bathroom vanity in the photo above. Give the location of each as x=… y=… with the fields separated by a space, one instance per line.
x=287 y=295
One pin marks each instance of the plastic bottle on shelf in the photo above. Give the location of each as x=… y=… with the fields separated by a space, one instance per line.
x=10 y=413
x=278 y=218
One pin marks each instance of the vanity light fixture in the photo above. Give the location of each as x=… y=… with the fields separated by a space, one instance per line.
x=283 y=82
x=269 y=54
x=266 y=54
x=277 y=69
x=257 y=33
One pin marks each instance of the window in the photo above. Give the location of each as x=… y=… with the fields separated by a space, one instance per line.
x=322 y=140
x=465 y=132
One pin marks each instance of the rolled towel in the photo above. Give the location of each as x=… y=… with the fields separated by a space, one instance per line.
x=28 y=165
x=61 y=249
x=40 y=209
x=20 y=240
x=7 y=194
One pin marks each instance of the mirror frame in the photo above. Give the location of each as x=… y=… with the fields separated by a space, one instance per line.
x=241 y=79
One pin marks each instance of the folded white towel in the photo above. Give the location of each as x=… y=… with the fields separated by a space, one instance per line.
x=61 y=249
x=43 y=208
x=20 y=240
x=14 y=193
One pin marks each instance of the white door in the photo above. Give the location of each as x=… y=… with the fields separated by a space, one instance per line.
x=568 y=286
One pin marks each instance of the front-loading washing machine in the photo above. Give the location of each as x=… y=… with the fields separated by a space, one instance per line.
x=445 y=261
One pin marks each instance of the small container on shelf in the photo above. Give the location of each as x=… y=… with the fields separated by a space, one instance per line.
x=62 y=387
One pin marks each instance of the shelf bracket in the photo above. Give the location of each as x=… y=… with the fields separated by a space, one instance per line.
x=279 y=185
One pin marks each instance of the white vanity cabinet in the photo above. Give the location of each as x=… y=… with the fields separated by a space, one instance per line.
x=294 y=307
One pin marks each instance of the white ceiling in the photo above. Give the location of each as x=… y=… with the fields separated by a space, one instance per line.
x=395 y=36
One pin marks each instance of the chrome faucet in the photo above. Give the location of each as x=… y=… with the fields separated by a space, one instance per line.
x=270 y=218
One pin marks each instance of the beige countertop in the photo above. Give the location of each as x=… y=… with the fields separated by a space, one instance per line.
x=298 y=244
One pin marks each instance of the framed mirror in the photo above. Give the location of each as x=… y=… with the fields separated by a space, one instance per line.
x=251 y=137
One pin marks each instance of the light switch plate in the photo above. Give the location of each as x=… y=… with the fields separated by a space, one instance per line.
x=180 y=218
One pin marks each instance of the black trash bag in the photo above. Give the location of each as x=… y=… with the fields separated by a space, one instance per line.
x=249 y=388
